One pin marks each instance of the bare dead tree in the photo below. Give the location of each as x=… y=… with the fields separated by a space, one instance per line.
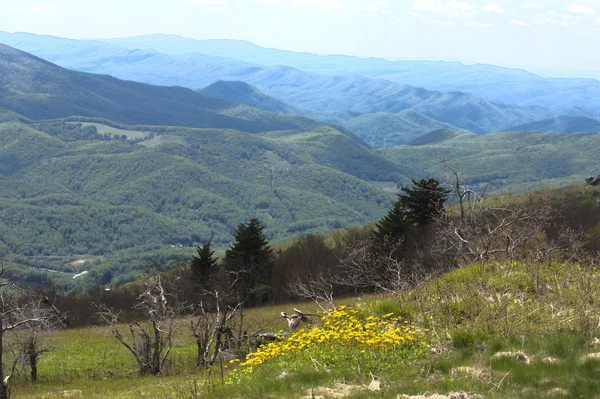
x=374 y=265
x=216 y=331
x=465 y=196
x=30 y=340
x=14 y=315
x=317 y=287
x=502 y=229
x=149 y=342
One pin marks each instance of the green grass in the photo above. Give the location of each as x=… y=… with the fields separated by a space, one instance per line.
x=542 y=310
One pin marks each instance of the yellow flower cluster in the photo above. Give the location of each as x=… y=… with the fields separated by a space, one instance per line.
x=342 y=329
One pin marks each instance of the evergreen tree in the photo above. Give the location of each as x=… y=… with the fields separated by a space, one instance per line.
x=417 y=207
x=250 y=260
x=204 y=265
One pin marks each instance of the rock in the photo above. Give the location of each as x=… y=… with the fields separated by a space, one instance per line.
x=591 y=356
x=374 y=386
x=550 y=360
x=558 y=392
x=519 y=356
x=284 y=374
x=473 y=372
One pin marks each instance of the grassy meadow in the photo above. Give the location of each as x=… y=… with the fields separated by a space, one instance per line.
x=497 y=330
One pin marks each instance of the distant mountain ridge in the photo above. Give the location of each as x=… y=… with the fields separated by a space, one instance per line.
x=336 y=99
x=379 y=112
x=509 y=85
x=38 y=89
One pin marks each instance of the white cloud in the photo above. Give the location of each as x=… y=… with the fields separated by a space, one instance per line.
x=34 y=9
x=264 y=2
x=378 y=7
x=560 y=20
x=532 y=6
x=518 y=22
x=482 y=25
x=493 y=8
x=453 y=7
x=324 y=4
x=581 y=9
x=439 y=22
x=209 y=3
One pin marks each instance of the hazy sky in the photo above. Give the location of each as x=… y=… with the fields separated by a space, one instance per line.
x=553 y=33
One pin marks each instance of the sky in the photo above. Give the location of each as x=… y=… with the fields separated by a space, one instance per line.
x=547 y=35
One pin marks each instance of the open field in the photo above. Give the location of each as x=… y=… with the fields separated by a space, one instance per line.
x=497 y=330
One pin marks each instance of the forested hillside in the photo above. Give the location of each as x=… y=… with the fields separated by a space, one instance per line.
x=82 y=189
x=518 y=161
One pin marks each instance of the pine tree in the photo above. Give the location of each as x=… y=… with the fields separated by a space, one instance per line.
x=250 y=259
x=417 y=207
x=204 y=265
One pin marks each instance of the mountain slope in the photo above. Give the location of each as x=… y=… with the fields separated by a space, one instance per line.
x=38 y=89
x=244 y=93
x=387 y=130
x=561 y=124
x=517 y=161
x=344 y=97
x=66 y=193
x=435 y=137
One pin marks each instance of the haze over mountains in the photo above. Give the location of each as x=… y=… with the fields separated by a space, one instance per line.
x=510 y=85
x=381 y=112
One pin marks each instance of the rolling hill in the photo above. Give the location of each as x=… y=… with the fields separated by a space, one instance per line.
x=387 y=130
x=436 y=136
x=517 y=161
x=69 y=193
x=244 y=93
x=38 y=89
x=561 y=124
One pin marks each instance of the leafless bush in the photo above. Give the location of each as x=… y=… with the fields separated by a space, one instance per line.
x=30 y=340
x=318 y=287
x=18 y=314
x=216 y=331
x=149 y=342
